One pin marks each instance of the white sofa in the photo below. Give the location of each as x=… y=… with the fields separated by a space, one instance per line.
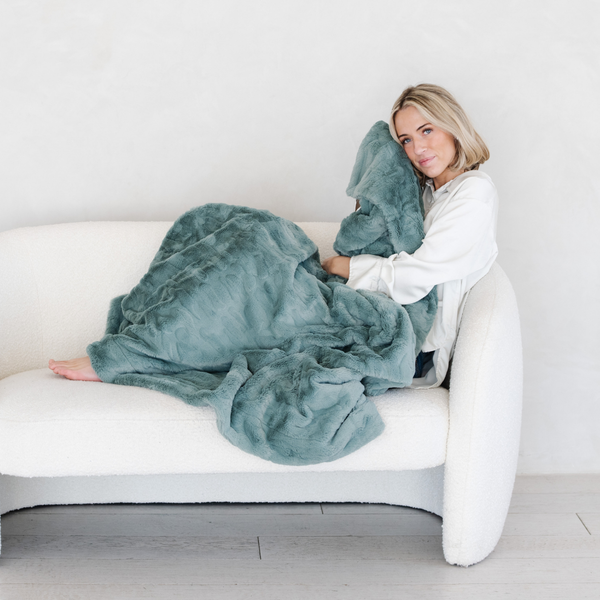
x=451 y=452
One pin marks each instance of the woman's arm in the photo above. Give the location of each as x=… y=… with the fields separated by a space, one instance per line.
x=460 y=241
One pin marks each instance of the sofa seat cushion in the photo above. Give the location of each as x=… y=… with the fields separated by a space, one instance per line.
x=50 y=426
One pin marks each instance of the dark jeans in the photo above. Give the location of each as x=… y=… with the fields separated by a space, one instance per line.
x=422 y=359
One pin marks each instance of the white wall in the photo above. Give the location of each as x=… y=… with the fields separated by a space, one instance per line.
x=119 y=110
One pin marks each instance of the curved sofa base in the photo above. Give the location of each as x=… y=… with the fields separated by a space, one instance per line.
x=419 y=489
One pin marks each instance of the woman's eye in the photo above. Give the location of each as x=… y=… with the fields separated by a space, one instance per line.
x=428 y=130
x=405 y=141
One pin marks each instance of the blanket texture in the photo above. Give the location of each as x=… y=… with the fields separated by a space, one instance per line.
x=236 y=312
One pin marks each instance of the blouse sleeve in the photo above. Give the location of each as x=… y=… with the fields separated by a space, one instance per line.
x=460 y=241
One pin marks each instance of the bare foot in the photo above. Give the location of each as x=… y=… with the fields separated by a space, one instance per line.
x=79 y=369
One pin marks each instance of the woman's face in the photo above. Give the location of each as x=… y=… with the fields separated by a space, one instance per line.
x=430 y=149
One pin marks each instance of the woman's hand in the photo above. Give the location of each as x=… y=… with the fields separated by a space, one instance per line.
x=337 y=265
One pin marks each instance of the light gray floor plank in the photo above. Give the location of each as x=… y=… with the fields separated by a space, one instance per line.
x=547 y=547
x=301 y=592
x=351 y=548
x=591 y=522
x=557 y=484
x=546 y=524
x=402 y=547
x=158 y=548
x=554 y=503
x=221 y=525
x=315 y=572
x=285 y=508
x=358 y=508
x=285 y=548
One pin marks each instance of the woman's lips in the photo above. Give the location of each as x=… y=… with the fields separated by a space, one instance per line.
x=425 y=161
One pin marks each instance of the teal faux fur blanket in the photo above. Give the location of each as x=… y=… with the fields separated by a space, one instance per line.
x=237 y=313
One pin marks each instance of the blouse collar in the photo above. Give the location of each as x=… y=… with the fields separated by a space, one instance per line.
x=447 y=187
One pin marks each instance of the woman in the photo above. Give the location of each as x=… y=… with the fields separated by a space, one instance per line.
x=460 y=223
x=461 y=206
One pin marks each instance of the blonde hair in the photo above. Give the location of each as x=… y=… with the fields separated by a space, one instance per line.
x=440 y=108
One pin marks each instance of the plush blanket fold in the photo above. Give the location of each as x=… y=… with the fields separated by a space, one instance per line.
x=237 y=313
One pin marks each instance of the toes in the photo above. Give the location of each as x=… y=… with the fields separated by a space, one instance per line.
x=67 y=373
x=60 y=371
x=61 y=364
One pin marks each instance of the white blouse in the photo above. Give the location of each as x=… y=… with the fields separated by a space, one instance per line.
x=458 y=250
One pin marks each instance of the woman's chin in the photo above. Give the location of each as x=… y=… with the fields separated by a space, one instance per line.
x=429 y=170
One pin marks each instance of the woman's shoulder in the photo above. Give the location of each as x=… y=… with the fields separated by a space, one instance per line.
x=474 y=184
x=475 y=179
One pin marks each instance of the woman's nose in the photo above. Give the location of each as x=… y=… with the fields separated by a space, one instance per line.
x=419 y=147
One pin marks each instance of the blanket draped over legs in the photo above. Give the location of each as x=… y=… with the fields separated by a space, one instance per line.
x=237 y=313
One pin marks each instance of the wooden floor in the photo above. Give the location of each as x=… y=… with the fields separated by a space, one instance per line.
x=550 y=549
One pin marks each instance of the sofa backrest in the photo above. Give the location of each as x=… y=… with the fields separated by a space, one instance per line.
x=56 y=282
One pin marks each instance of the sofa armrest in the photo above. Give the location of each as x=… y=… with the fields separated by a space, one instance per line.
x=485 y=421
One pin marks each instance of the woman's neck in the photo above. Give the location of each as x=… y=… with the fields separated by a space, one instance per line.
x=445 y=177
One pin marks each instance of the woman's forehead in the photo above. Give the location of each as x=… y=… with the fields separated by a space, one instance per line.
x=408 y=119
